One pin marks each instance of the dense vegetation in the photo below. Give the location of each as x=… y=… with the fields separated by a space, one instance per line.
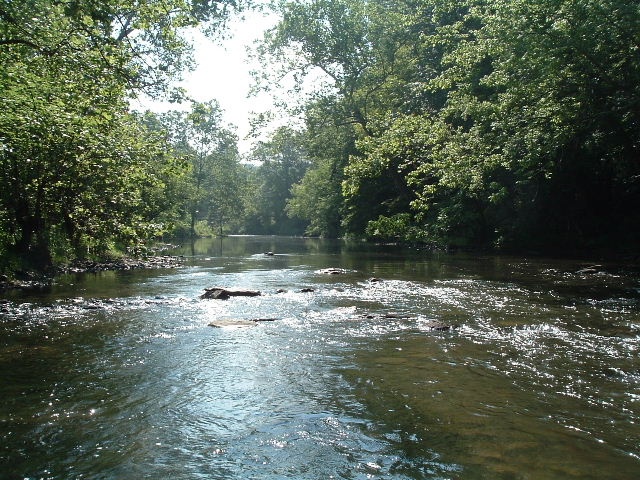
x=79 y=174
x=474 y=123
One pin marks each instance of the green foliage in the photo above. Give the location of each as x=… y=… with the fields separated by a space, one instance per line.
x=209 y=192
x=317 y=197
x=399 y=227
x=282 y=163
x=476 y=122
x=78 y=174
x=541 y=118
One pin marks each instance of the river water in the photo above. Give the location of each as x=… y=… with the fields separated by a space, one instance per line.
x=118 y=375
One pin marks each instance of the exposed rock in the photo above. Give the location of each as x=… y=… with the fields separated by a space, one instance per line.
x=90 y=266
x=332 y=271
x=375 y=279
x=14 y=284
x=438 y=326
x=224 y=294
x=42 y=281
x=281 y=290
x=307 y=290
x=269 y=254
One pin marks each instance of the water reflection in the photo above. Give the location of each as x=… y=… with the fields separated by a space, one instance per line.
x=118 y=375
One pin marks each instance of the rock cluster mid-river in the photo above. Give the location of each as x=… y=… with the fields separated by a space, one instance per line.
x=118 y=375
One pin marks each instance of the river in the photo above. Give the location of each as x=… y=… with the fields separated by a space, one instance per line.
x=118 y=375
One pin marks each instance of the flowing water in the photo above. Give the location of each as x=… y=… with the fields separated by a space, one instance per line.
x=118 y=375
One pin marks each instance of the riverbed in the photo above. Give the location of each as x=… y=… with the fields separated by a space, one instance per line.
x=119 y=375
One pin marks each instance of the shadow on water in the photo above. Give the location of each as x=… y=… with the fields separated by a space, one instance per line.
x=118 y=375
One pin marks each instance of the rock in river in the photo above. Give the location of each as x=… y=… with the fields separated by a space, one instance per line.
x=332 y=271
x=224 y=293
x=438 y=326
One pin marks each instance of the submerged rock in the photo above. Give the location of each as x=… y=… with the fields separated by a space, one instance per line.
x=590 y=270
x=381 y=316
x=433 y=325
x=239 y=322
x=231 y=322
x=224 y=294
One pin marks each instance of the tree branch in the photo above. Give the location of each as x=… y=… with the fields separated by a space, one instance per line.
x=19 y=41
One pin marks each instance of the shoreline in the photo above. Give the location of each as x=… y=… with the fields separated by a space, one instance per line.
x=38 y=280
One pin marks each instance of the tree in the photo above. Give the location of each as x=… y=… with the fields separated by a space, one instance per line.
x=476 y=122
x=538 y=138
x=282 y=163
x=138 y=44
x=211 y=151
x=317 y=197
x=368 y=52
x=77 y=170
x=71 y=159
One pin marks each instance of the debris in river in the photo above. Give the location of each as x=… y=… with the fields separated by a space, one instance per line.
x=224 y=294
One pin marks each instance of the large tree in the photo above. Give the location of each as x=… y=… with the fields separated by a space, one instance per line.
x=317 y=197
x=537 y=143
x=371 y=58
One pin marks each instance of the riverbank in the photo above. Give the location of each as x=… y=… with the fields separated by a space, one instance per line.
x=38 y=280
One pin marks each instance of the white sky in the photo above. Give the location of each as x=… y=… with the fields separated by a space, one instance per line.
x=223 y=73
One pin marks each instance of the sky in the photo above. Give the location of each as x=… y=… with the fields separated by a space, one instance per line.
x=223 y=73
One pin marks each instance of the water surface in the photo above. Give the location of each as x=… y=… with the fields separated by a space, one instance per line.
x=119 y=375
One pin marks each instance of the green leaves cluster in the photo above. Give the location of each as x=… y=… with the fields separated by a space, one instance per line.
x=209 y=193
x=281 y=163
x=78 y=173
x=475 y=122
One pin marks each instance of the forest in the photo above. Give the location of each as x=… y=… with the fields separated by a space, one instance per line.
x=478 y=124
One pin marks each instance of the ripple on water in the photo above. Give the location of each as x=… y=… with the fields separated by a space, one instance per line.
x=540 y=377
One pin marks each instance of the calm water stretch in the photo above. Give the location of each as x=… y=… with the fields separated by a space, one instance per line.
x=118 y=375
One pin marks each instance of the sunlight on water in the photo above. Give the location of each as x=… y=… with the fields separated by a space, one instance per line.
x=121 y=376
